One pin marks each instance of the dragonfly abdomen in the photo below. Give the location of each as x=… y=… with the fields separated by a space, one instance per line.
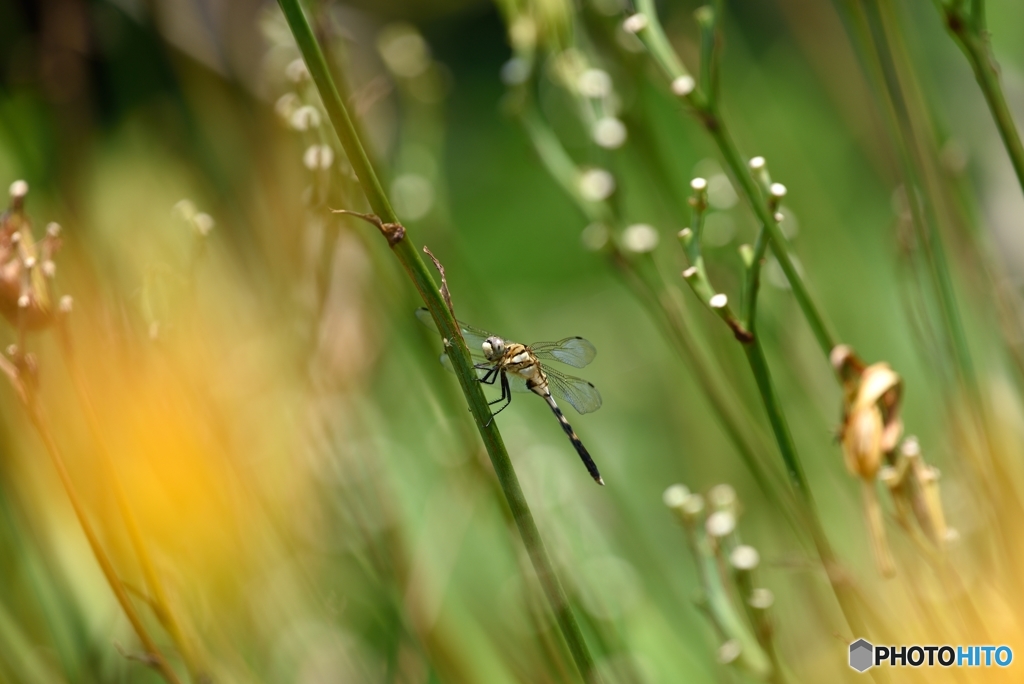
x=580 y=449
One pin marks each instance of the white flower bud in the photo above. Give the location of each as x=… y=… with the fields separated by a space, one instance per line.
x=594 y=83
x=609 y=132
x=296 y=71
x=720 y=524
x=596 y=184
x=318 y=157
x=744 y=557
x=675 y=496
x=635 y=23
x=640 y=238
x=305 y=118
x=18 y=190
x=683 y=85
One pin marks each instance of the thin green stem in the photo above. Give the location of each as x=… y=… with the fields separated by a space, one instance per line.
x=779 y=245
x=971 y=36
x=697 y=276
x=720 y=607
x=754 y=277
x=409 y=256
x=927 y=227
x=657 y=298
x=653 y=36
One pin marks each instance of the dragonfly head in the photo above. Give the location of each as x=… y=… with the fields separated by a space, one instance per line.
x=493 y=348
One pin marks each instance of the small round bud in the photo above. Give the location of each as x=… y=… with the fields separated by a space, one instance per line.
x=204 y=223
x=23 y=301
x=15 y=237
x=722 y=497
x=778 y=217
x=777 y=190
x=523 y=32
x=296 y=71
x=720 y=524
x=675 y=496
x=756 y=163
x=184 y=209
x=18 y=190
x=683 y=85
x=515 y=71
x=699 y=184
x=693 y=506
x=910 y=446
x=596 y=184
x=30 y=262
x=305 y=118
x=49 y=268
x=761 y=598
x=286 y=105
x=318 y=157
x=690 y=272
x=635 y=23
x=594 y=83
x=609 y=132
x=640 y=238
x=718 y=301
x=744 y=557
x=66 y=304
x=685 y=233
x=729 y=651
x=53 y=229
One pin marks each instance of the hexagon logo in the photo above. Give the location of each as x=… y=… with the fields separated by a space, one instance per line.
x=861 y=655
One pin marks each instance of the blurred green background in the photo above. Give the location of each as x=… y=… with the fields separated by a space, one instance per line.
x=305 y=472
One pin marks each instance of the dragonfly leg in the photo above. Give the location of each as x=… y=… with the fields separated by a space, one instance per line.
x=506 y=396
x=490 y=376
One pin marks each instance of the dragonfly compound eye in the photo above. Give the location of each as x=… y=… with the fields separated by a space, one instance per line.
x=493 y=347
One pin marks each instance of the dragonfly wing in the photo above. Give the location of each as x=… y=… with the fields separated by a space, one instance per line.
x=580 y=394
x=516 y=383
x=572 y=351
x=447 y=363
x=474 y=336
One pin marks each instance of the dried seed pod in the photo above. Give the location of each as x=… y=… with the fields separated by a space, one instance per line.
x=24 y=292
x=870 y=430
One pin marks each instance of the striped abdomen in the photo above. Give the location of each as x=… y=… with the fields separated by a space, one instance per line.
x=543 y=391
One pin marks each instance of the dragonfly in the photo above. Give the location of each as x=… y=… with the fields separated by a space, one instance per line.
x=517 y=367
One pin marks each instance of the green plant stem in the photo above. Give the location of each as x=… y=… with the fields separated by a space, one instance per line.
x=408 y=255
x=971 y=35
x=927 y=226
x=720 y=608
x=159 y=596
x=664 y=308
x=653 y=36
x=707 y=112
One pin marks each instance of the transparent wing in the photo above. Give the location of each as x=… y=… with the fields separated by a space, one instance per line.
x=573 y=351
x=474 y=336
x=580 y=394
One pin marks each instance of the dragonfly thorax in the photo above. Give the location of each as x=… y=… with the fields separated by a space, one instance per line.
x=494 y=348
